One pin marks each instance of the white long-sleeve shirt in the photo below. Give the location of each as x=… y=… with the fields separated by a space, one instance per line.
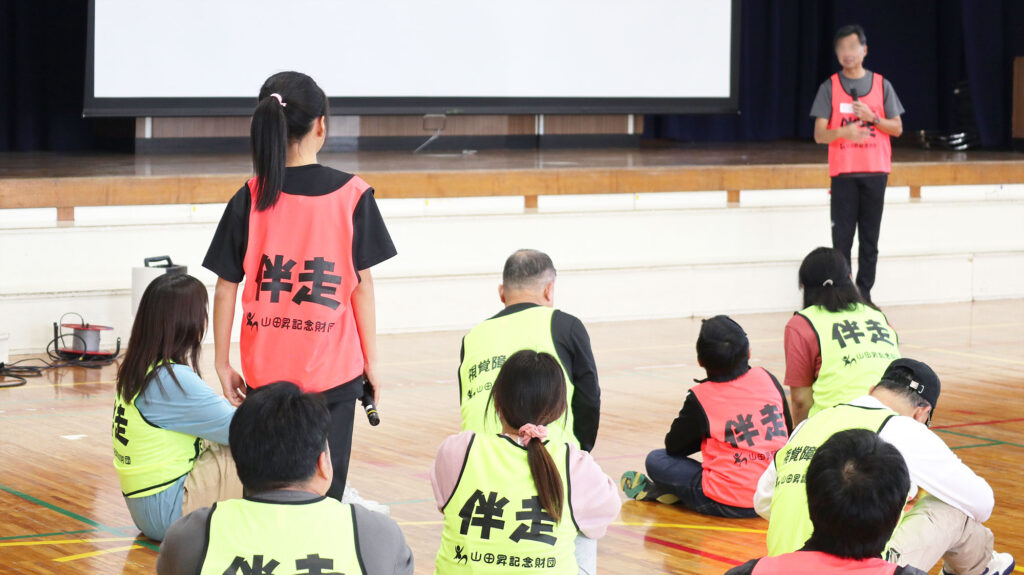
x=932 y=466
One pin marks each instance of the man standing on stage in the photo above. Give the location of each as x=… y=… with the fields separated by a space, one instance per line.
x=855 y=112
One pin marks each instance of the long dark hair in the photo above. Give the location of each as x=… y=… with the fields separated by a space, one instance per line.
x=825 y=277
x=530 y=388
x=275 y=123
x=169 y=327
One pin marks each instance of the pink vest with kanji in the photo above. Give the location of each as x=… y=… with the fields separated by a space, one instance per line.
x=814 y=562
x=874 y=153
x=297 y=319
x=747 y=422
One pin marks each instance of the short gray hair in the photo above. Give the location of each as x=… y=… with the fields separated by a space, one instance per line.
x=526 y=269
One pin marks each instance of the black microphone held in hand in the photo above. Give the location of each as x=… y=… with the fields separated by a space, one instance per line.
x=368 y=404
x=853 y=94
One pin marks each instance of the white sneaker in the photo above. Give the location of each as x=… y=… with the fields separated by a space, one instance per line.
x=352 y=496
x=1001 y=564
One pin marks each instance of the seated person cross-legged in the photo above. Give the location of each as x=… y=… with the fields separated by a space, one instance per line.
x=737 y=419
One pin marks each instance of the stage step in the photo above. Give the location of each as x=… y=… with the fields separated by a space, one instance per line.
x=654 y=256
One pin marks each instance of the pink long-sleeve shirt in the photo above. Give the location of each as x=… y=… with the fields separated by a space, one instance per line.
x=593 y=495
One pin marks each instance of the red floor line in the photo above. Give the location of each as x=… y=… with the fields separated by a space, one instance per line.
x=676 y=546
x=993 y=422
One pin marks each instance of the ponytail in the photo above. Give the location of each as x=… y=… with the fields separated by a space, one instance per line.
x=546 y=478
x=289 y=105
x=529 y=393
x=269 y=133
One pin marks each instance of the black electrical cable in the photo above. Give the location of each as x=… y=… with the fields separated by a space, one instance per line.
x=15 y=374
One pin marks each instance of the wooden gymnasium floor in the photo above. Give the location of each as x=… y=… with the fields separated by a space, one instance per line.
x=61 y=511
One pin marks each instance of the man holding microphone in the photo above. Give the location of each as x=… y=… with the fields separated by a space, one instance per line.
x=855 y=112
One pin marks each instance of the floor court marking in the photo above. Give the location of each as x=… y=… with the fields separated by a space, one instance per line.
x=33 y=535
x=975 y=445
x=687 y=526
x=627 y=524
x=73 y=515
x=992 y=422
x=676 y=546
x=64 y=541
x=97 y=552
x=980 y=438
x=966 y=354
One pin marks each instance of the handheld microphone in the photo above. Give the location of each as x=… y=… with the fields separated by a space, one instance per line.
x=368 y=404
x=853 y=94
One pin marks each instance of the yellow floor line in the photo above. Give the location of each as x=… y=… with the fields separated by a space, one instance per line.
x=99 y=552
x=63 y=541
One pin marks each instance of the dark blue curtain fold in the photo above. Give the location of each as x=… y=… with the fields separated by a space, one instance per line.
x=42 y=81
x=924 y=47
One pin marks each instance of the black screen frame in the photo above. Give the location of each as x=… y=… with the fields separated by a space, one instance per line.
x=369 y=106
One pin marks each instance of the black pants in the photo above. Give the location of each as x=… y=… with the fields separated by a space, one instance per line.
x=857 y=203
x=342 y=406
x=684 y=477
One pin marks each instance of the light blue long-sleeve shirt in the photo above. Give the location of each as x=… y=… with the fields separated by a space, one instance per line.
x=193 y=408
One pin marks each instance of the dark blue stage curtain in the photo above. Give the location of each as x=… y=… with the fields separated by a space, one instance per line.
x=42 y=81
x=924 y=47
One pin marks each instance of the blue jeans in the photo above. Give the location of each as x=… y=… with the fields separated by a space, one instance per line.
x=682 y=477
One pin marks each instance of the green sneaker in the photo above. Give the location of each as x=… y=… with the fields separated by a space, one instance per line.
x=635 y=485
x=639 y=487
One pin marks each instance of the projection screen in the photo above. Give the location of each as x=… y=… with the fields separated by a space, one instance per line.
x=209 y=57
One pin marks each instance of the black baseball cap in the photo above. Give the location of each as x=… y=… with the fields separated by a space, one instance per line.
x=722 y=345
x=921 y=378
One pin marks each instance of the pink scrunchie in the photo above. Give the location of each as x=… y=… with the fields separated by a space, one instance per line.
x=531 y=431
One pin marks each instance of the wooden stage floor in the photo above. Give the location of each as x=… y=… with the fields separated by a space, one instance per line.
x=649 y=155
x=62 y=510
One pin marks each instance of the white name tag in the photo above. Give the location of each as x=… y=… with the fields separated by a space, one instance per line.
x=845 y=108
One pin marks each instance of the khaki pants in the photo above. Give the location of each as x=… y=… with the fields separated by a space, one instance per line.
x=933 y=530
x=212 y=479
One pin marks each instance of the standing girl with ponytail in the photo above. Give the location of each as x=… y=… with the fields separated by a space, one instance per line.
x=515 y=500
x=302 y=237
x=839 y=345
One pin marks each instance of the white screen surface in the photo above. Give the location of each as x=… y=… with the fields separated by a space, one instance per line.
x=678 y=49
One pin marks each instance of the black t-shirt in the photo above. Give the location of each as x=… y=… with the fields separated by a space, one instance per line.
x=691 y=426
x=371 y=242
x=572 y=342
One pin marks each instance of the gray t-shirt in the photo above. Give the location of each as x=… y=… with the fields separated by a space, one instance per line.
x=382 y=545
x=822 y=106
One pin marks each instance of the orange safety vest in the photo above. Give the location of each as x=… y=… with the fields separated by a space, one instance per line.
x=874 y=153
x=814 y=562
x=297 y=322
x=747 y=422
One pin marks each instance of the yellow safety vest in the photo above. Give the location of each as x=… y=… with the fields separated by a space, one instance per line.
x=856 y=348
x=148 y=459
x=493 y=522
x=247 y=536
x=485 y=349
x=790 y=524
